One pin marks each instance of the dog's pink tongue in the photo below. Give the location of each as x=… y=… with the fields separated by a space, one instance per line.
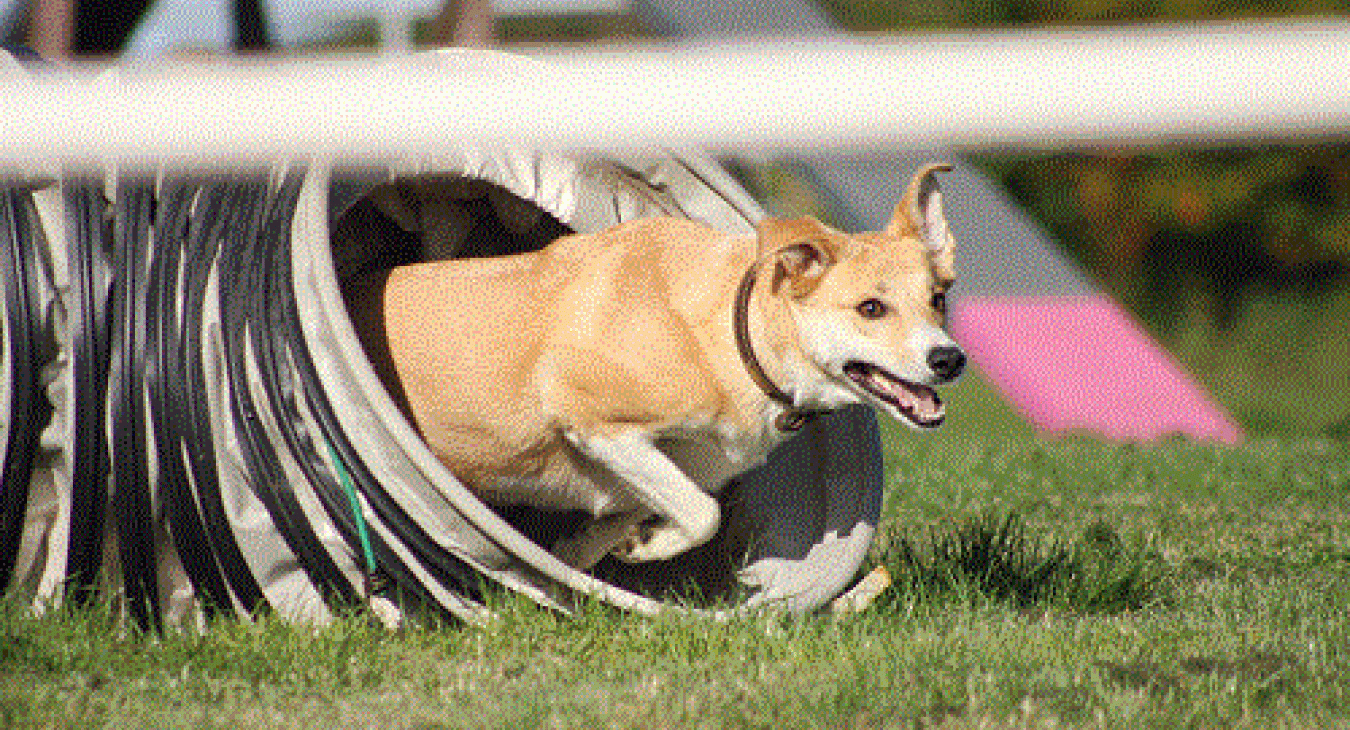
x=929 y=405
x=920 y=400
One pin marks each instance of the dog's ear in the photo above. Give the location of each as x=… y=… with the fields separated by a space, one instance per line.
x=800 y=251
x=919 y=215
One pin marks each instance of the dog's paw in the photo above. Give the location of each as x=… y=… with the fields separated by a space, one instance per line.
x=652 y=542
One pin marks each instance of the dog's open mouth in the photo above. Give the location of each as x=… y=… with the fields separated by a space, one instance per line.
x=919 y=404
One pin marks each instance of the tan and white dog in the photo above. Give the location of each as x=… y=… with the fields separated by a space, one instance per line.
x=631 y=372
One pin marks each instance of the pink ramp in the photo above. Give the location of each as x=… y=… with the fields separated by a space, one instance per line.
x=1080 y=362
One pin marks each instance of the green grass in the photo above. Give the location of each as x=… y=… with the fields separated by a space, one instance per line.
x=1279 y=368
x=1235 y=617
x=995 y=560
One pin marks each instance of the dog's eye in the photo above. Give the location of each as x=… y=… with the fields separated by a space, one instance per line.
x=939 y=302
x=872 y=309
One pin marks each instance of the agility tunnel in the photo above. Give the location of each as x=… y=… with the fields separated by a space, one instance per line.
x=192 y=428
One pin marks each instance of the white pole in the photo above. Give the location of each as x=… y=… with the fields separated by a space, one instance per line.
x=1046 y=89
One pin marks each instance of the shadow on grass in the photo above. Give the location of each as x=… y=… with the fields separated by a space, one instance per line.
x=993 y=560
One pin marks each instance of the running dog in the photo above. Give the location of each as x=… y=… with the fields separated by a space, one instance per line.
x=631 y=372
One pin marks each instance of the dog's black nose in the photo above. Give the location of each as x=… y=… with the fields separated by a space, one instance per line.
x=947 y=362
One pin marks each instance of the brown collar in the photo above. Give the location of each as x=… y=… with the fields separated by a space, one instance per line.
x=792 y=418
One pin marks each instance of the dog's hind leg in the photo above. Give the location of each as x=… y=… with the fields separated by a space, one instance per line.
x=687 y=516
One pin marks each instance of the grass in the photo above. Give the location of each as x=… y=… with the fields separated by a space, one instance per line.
x=994 y=560
x=1172 y=586
x=1278 y=367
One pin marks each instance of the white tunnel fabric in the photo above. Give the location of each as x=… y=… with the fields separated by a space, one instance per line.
x=240 y=503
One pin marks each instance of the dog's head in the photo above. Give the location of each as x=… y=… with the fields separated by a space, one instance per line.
x=869 y=310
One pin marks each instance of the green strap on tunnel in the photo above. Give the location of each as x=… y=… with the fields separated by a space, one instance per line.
x=362 y=531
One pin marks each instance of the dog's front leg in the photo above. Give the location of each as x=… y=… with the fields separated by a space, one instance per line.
x=598 y=539
x=687 y=515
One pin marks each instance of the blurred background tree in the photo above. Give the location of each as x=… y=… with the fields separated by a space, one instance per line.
x=888 y=15
x=1236 y=257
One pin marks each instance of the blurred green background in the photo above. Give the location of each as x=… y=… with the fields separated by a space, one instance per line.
x=1235 y=257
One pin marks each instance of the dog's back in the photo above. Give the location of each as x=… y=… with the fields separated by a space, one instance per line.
x=493 y=358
